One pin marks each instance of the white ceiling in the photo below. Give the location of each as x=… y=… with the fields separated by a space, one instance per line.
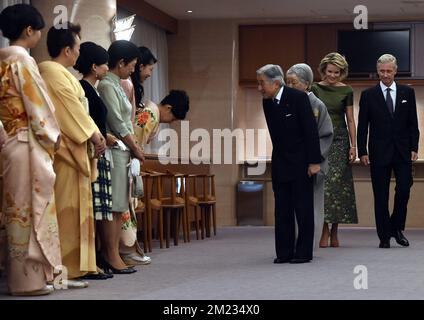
x=291 y=10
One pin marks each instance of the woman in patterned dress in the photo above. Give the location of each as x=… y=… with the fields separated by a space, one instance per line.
x=130 y=249
x=27 y=114
x=147 y=119
x=122 y=59
x=93 y=65
x=339 y=194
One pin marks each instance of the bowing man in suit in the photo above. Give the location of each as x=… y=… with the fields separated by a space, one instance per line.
x=390 y=112
x=296 y=157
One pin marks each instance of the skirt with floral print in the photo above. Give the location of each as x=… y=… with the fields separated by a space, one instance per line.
x=339 y=196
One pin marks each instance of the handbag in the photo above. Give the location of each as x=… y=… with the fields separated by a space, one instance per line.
x=137 y=187
x=137 y=190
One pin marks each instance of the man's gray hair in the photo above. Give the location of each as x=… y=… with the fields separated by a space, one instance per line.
x=387 y=58
x=272 y=72
x=303 y=72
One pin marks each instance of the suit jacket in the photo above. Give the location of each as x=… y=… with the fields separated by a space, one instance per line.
x=387 y=133
x=294 y=135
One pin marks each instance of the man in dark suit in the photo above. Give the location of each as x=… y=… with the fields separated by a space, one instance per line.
x=296 y=157
x=390 y=111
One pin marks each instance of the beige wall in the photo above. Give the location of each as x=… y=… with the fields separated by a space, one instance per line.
x=94 y=16
x=203 y=60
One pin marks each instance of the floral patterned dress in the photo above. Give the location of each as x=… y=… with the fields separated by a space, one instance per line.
x=339 y=192
x=146 y=127
x=146 y=123
x=27 y=113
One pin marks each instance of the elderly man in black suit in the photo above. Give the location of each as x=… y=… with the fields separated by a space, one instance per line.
x=296 y=158
x=389 y=112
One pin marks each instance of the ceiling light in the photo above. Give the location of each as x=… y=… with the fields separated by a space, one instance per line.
x=189 y=11
x=123 y=28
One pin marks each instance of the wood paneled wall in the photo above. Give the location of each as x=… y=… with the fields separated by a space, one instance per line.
x=289 y=44
x=278 y=44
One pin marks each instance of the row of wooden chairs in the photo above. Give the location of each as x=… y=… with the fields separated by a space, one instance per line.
x=168 y=197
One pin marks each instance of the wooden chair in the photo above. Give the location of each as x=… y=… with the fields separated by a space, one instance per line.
x=205 y=200
x=153 y=195
x=174 y=204
x=171 y=205
x=142 y=215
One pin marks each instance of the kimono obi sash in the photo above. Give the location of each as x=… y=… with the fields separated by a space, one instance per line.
x=12 y=114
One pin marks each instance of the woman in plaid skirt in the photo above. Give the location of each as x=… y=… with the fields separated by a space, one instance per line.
x=92 y=64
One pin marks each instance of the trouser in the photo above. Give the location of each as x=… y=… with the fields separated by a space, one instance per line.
x=294 y=200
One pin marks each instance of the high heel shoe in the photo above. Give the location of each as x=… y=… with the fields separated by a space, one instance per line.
x=324 y=243
x=101 y=263
x=108 y=268
x=334 y=243
x=325 y=237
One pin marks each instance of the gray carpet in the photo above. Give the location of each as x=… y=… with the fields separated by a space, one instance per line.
x=237 y=264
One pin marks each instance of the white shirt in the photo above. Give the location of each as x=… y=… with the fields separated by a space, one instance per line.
x=279 y=94
x=392 y=92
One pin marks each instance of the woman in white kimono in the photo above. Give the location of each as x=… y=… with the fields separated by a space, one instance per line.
x=300 y=76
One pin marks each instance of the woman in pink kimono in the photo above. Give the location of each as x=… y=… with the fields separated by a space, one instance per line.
x=27 y=114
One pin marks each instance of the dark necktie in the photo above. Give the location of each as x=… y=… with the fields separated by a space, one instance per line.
x=389 y=101
x=276 y=101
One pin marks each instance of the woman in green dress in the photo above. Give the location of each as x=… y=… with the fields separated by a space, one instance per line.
x=339 y=196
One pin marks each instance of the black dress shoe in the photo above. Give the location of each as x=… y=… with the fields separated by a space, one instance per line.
x=278 y=260
x=300 y=260
x=384 y=244
x=109 y=269
x=96 y=276
x=400 y=238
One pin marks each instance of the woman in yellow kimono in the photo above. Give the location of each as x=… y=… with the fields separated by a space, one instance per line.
x=74 y=169
x=27 y=114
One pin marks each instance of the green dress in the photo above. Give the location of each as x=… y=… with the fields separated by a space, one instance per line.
x=339 y=192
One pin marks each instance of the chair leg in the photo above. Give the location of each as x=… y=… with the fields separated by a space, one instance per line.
x=183 y=217
x=145 y=231
x=214 y=219
x=181 y=221
x=149 y=228
x=196 y=217
x=168 y=227
x=203 y=222
x=186 y=224
x=161 y=226
x=176 y=218
x=208 y=221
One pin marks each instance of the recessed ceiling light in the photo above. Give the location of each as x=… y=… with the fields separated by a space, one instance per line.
x=189 y=11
